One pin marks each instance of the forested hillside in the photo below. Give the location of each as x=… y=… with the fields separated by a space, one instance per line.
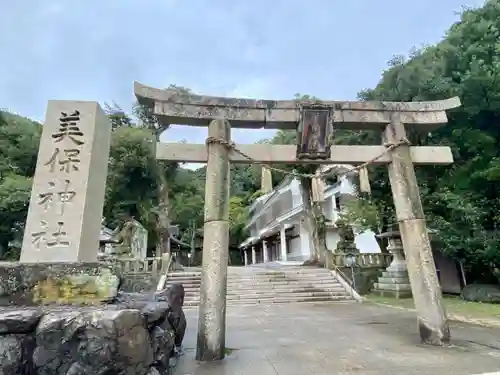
x=461 y=201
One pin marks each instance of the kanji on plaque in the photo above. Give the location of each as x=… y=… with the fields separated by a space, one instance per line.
x=66 y=160
x=63 y=196
x=69 y=129
x=59 y=237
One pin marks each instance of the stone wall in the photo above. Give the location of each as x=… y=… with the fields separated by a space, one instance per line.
x=86 y=340
x=71 y=319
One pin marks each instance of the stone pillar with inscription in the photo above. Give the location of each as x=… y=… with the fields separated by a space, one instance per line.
x=67 y=197
x=212 y=312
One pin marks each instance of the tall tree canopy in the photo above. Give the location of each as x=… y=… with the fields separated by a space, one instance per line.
x=19 y=138
x=460 y=201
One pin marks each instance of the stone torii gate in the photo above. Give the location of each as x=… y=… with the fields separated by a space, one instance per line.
x=314 y=121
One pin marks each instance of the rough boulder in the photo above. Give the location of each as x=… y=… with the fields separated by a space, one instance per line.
x=134 y=335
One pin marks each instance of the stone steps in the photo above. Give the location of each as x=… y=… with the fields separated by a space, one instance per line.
x=276 y=287
x=268 y=285
x=271 y=292
x=269 y=295
x=393 y=280
x=274 y=299
x=391 y=286
x=234 y=278
x=248 y=285
x=258 y=283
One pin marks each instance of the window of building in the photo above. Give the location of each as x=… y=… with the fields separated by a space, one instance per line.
x=332 y=179
x=337 y=203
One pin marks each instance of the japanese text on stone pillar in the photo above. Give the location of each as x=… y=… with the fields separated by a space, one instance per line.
x=58 y=195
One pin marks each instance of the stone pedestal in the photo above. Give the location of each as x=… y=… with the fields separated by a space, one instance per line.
x=394 y=281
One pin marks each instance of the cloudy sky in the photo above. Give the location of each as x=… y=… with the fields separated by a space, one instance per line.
x=271 y=49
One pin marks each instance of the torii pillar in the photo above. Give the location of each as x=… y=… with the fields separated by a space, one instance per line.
x=212 y=311
x=432 y=321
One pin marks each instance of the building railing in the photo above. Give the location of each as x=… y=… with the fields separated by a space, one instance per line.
x=363 y=260
x=156 y=266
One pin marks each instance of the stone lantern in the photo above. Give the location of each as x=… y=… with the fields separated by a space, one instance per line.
x=394 y=281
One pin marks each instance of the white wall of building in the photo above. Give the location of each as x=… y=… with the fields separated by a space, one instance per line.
x=299 y=247
x=332 y=238
x=296 y=195
x=366 y=242
x=294 y=249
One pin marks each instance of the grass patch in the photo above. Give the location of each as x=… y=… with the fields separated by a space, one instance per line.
x=229 y=351
x=454 y=305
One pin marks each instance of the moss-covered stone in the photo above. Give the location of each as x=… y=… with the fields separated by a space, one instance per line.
x=23 y=284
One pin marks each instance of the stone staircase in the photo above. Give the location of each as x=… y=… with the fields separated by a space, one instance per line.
x=258 y=285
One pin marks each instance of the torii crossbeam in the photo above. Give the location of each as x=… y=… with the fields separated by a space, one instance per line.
x=393 y=119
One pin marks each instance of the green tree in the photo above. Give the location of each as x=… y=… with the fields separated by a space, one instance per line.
x=163 y=171
x=19 y=139
x=117 y=116
x=238 y=218
x=167 y=170
x=15 y=191
x=132 y=183
x=461 y=201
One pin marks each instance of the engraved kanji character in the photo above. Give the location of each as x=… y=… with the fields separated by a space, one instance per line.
x=46 y=199
x=66 y=195
x=59 y=237
x=69 y=163
x=38 y=237
x=68 y=128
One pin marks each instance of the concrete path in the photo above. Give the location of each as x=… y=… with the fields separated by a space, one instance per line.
x=337 y=339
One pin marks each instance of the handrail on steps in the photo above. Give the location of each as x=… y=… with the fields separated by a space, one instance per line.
x=162 y=282
x=344 y=281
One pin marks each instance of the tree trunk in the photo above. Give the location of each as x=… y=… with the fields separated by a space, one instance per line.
x=317 y=245
x=382 y=245
x=4 y=247
x=320 y=230
x=387 y=222
x=163 y=219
